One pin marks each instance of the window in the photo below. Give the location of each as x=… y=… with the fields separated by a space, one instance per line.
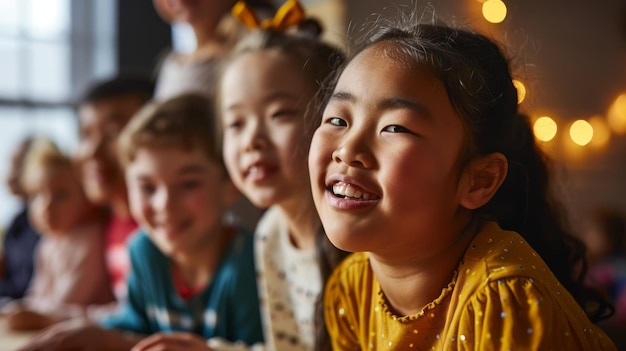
x=50 y=51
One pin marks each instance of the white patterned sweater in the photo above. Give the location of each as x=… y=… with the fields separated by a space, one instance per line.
x=289 y=283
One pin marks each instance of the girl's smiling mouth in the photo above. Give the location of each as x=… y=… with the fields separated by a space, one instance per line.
x=347 y=194
x=351 y=192
x=260 y=171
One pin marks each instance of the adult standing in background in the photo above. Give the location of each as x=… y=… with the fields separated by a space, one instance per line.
x=215 y=33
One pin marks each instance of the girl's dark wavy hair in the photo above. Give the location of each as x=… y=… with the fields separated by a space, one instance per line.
x=478 y=81
x=319 y=62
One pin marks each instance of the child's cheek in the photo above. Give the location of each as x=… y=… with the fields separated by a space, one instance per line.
x=137 y=205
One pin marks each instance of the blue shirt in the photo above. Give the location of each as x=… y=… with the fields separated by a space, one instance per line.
x=228 y=307
x=20 y=241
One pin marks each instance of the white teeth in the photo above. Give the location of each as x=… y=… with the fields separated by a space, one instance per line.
x=350 y=191
x=339 y=189
x=347 y=190
x=254 y=170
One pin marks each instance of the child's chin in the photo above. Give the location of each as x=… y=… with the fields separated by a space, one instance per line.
x=167 y=248
x=343 y=243
x=57 y=230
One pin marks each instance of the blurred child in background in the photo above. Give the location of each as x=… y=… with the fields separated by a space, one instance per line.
x=103 y=111
x=192 y=278
x=267 y=87
x=20 y=239
x=606 y=248
x=70 y=266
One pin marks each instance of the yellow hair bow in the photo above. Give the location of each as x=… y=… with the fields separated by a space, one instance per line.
x=289 y=14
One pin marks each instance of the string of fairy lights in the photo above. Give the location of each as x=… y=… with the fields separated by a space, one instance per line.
x=595 y=131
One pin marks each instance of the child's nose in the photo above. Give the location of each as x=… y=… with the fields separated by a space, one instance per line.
x=92 y=148
x=257 y=137
x=164 y=201
x=354 y=151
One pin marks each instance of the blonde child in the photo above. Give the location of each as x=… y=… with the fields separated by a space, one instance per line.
x=424 y=168
x=70 y=269
x=264 y=94
x=192 y=278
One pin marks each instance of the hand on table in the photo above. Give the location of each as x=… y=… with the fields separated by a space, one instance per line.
x=26 y=320
x=172 y=342
x=70 y=335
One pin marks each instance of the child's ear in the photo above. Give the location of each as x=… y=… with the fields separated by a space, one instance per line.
x=483 y=178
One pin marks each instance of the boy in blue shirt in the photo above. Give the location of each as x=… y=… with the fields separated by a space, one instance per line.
x=189 y=272
x=192 y=278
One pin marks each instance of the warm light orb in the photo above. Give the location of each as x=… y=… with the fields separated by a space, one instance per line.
x=494 y=11
x=581 y=132
x=616 y=116
x=521 y=90
x=601 y=132
x=545 y=128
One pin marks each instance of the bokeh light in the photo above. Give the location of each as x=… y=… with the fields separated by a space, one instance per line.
x=581 y=132
x=494 y=11
x=616 y=116
x=601 y=132
x=545 y=128
x=521 y=90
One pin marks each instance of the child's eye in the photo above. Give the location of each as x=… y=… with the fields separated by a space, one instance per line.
x=234 y=125
x=283 y=113
x=336 y=121
x=396 y=129
x=147 y=189
x=190 y=184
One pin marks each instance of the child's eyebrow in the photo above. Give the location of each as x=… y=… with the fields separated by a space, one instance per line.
x=387 y=104
x=405 y=103
x=343 y=96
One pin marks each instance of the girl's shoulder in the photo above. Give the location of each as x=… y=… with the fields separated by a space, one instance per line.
x=356 y=262
x=497 y=259
x=506 y=288
x=354 y=272
x=495 y=253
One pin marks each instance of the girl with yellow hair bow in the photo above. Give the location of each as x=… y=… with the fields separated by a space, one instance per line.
x=265 y=98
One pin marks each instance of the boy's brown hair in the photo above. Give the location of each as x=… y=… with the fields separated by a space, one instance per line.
x=186 y=122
